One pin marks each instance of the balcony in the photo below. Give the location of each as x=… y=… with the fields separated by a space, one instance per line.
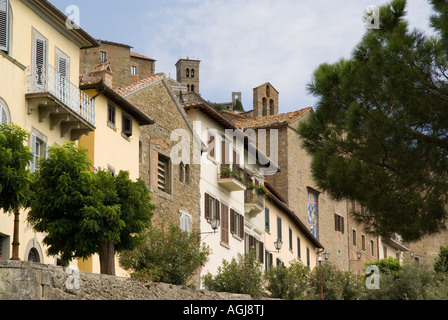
x=231 y=177
x=54 y=96
x=253 y=201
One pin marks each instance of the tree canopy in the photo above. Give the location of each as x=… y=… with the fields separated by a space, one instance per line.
x=379 y=134
x=84 y=212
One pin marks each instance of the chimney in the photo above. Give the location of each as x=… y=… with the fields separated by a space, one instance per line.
x=103 y=71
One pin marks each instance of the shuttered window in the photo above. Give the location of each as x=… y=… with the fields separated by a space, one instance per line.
x=236 y=224
x=4 y=114
x=63 y=77
x=39 y=149
x=338 y=223
x=127 y=125
x=224 y=224
x=212 y=207
x=185 y=222
x=40 y=58
x=4 y=25
x=163 y=173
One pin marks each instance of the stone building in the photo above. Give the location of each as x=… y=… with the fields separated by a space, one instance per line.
x=127 y=66
x=187 y=73
x=174 y=186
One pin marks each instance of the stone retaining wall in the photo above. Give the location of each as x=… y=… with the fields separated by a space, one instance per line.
x=21 y=280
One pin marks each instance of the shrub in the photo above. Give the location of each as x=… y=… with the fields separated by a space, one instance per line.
x=167 y=255
x=288 y=283
x=241 y=275
x=441 y=262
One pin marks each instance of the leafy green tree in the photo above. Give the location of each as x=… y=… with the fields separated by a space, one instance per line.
x=379 y=134
x=238 y=106
x=441 y=262
x=82 y=212
x=289 y=283
x=15 y=178
x=241 y=275
x=167 y=255
x=387 y=265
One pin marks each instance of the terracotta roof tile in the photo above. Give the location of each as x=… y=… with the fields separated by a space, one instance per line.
x=140 y=56
x=269 y=121
x=139 y=84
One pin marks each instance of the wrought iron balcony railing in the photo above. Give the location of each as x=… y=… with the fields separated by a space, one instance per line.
x=46 y=79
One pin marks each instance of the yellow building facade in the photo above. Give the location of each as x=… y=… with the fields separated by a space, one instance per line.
x=286 y=237
x=39 y=73
x=114 y=145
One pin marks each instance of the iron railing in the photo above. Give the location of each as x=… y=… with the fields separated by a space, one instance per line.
x=44 y=78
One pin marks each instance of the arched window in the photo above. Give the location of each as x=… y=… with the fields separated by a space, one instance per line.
x=265 y=107
x=187 y=72
x=268 y=91
x=4 y=113
x=192 y=88
x=192 y=73
x=188 y=87
x=271 y=107
x=33 y=255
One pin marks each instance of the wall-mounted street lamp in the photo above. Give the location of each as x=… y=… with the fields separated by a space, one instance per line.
x=278 y=245
x=358 y=255
x=214 y=222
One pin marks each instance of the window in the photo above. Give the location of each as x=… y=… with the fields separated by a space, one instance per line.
x=299 y=252
x=134 y=70
x=236 y=224
x=363 y=242
x=279 y=228
x=372 y=249
x=307 y=257
x=354 y=237
x=192 y=88
x=127 y=125
x=40 y=59
x=163 y=173
x=192 y=73
x=224 y=224
x=4 y=113
x=290 y=239
x=338 y=223
x=266 y=218
x=103 y=56
x=187 y=72
x=185 y=222
x=269 y=260
x=5 y=24
x=111 y=114
x=33 y=255
x=187 y=174
x=212 y=208
x=63 y=63
x=184 y=173
x=111 y=170
x=211 y=144
x=252 y=243
x=38 y=149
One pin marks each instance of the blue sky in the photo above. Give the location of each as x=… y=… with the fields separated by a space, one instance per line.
x=241 y=43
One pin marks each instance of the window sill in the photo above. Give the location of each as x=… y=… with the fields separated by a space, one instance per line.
x=111 y=125
x=225 y=245
x=127 y=138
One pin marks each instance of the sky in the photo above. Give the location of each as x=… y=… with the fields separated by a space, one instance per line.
x=241 y=43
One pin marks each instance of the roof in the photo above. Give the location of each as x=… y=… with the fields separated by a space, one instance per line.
x=272 y=195
x=271 y=121
x=140 y=56
x=115 y=97
x=139 y=84
x=112 y=43
x=227 y=124
x=77 y=34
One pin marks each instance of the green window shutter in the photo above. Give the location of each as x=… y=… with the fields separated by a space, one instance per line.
x=266 y=218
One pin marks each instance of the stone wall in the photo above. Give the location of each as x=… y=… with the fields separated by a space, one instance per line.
x=22 y=280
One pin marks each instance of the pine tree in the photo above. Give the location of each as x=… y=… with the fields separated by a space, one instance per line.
x=379 y=134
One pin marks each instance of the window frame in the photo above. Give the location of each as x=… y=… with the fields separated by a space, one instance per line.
x=126 y=125
x=7 y=28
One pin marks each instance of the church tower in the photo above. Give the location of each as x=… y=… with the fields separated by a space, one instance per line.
x=188 y=74
x=265 y=100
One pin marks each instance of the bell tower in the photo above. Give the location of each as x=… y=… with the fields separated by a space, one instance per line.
x=187 y=71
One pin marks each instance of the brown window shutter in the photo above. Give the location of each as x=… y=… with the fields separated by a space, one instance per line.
x=336 y=227
x=224 y=224
x=342 y=225
x=217 y=210
x=207 y=206
x=261 y=252
x=154 y=167
x=232 y=221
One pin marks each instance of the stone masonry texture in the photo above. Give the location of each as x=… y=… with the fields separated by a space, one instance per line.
x=22 y=280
